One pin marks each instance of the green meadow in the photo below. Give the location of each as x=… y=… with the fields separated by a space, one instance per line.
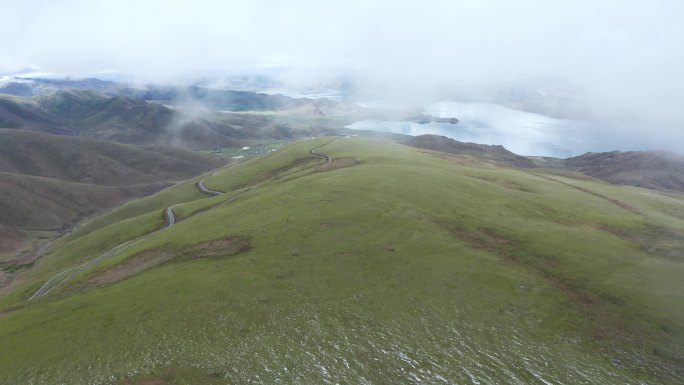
x=390 y=265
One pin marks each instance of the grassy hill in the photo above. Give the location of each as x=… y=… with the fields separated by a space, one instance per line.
x=17 y=112
x=135 y=121
x=87 y=111
x=388 y=265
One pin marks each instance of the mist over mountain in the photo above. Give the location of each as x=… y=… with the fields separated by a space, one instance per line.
x=193 y=117
x=617 y=61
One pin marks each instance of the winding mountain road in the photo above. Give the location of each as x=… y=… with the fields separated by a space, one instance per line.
x=203 y=189
x=55 y=281
x=170 y=218
x=327 y=157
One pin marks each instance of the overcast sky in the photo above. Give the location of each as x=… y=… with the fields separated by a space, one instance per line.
x=626 y=56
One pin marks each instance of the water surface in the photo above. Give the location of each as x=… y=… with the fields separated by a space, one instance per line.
x=522 y=132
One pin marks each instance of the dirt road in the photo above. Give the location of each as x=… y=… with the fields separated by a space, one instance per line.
x=203 y=189
x=327 y=157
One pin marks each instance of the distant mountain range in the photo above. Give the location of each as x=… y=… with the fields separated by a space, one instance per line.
x=210 y=97
x=190 y=117
x=133 y=120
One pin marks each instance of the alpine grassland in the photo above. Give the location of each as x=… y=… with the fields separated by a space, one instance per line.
x=387 y=265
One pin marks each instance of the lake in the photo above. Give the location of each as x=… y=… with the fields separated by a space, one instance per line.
x=522 y=132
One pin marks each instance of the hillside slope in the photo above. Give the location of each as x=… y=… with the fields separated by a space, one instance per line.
x=659 y=170
x=85 y=160
x=372 y=263
x=451 y=146
x=133 y=120
x=36 y=203
x=16 y=112
x=49 y=182
x=91 y=113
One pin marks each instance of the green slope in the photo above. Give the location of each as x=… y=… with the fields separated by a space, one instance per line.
x=389 y=265
x=83 y=160
x=38 y=203
x=49 y=182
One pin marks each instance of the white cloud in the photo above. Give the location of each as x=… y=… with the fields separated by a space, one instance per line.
x=626 y=55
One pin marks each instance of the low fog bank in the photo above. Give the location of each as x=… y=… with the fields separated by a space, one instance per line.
x=616 y=64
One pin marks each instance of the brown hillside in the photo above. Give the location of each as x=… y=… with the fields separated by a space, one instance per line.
x=84 y=160
x=657 y=170
x=451 y=146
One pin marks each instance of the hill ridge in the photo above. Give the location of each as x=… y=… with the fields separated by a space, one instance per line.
x=462 y=247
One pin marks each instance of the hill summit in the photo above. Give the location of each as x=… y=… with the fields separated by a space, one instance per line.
x=360 y=261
